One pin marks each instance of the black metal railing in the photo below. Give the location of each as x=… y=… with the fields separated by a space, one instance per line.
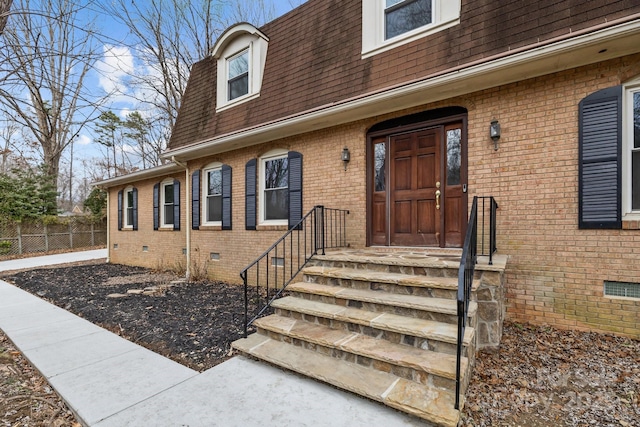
x=468 y=262
x=266 y=278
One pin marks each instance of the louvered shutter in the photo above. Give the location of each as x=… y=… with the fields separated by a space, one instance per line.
x=226 y=197
x=600 y=160
x=156 y=206
x=176 y=204
x=120 y=194
x=195 y=200
x=295 y=187
x=250 y=195
x=135 y=208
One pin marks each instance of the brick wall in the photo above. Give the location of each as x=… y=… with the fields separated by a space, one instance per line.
x=556 y=272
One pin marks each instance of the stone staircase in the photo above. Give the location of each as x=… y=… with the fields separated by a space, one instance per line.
x=381 y=324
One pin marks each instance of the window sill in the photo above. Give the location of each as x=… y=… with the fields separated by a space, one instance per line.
x=272 y=227
x=210 y=228
x=631 y=221
x=237 y=101
x=166 y=229
x=127 y=229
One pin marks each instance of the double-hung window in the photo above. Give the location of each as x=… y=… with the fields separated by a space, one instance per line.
x=213 y=195
x=387 y=24
x=166 y=204
x=632 y=139
x=128 y=209
x=275 y=175
x=238 y=75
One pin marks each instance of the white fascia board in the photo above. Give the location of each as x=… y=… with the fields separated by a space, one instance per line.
x=156 y=172
x=590 y=47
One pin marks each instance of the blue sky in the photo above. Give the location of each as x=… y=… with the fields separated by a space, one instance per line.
x=117 y=63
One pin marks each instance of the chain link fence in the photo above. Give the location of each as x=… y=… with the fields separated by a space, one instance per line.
x=64 y=233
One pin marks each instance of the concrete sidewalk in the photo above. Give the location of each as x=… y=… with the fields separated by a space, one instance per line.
x=47 y=260
x=109 y=381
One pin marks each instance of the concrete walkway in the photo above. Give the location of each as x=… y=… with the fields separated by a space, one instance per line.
x=109 y=381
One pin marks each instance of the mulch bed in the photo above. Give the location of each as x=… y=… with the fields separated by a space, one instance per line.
x=540 y=376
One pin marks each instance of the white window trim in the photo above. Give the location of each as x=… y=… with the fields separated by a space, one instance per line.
x=235 y=40
x=271 y=155
x=627 y=145
x=125 y=207
x=445 y=14
x=163 y=184
x=205 y=189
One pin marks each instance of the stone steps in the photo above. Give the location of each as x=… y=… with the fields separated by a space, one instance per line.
x=434 y=405
x=422 y=333
x=422 y=366
x=383 y=323
x=440 y=309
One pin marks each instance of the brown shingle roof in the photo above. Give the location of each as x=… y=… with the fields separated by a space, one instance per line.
x=314 y=56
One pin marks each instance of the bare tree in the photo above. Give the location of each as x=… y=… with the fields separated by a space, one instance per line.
x=168 y=36
x=45 y=59
x=5 y=7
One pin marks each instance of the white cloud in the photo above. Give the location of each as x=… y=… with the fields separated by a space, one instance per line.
x=84 y=139
x=114 y=68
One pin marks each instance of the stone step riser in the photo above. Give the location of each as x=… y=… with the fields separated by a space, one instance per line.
x=386 y=287
x=393 y=337
x=408 y=373
x=383 y=308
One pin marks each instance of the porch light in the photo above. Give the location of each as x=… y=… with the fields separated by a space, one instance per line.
x=346 y=157
x=494 y=132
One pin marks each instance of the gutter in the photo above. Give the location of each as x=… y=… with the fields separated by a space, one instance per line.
x=594 y=44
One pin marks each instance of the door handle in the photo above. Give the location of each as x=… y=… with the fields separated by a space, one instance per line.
x=437 y=199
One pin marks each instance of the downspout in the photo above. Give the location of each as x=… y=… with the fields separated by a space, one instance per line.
x=188 y=214
x=108 y=224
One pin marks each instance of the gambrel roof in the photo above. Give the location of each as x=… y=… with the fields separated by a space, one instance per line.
x=315 y=65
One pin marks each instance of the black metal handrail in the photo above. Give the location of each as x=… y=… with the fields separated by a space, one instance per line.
x=321 y=228
x=467 y=268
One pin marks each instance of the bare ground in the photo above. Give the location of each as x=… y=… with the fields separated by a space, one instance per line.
x=540 y=377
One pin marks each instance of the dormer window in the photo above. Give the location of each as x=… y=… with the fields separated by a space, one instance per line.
x=238 y=80
x=241 y=53
x=402 y=16
x=387 y=24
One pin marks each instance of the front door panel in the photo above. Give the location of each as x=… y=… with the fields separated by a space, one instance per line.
x=415 y=186
x=415 y=221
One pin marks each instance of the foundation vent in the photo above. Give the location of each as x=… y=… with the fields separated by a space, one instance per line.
x=622 y=289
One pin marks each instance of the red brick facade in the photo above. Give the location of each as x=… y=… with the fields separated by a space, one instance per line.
x=556 y=271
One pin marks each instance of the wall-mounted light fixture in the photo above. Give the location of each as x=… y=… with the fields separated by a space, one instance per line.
x=494 y=133
x=346 y=157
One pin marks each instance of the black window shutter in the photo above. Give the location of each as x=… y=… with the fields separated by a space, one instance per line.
x=295 y=188
x=250 y=195
x=600 y=160
x=195 y=200
x=120 y=210
x=226 y=197
x=135 y=208
x=156 y=206
x=176 y=204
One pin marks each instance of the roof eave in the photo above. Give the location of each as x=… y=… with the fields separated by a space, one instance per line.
x=155 y=172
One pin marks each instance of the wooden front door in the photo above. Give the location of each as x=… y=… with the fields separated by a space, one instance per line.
x=416 y=183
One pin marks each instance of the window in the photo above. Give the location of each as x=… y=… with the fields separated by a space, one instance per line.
x=274 y=188
x=632 y=144
x=238 y=78
x=402 y=16
x=274 y=185
x=387 y=24
x=241 y=53
x=128 y=209
x=166 y=204
x=215 y=196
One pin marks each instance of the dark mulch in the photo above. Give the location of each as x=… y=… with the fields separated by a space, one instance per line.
x=540 y=376
x=192 y=323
